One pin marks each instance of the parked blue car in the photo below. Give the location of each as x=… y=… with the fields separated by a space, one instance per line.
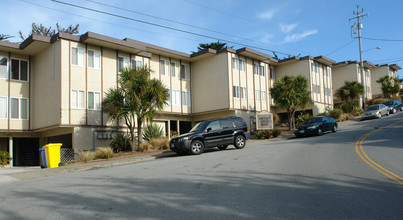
x=394 y=106
x=316 y=126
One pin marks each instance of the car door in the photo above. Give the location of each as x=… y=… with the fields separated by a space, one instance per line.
x=326 y=123
x=227 y=127
x=212 y=134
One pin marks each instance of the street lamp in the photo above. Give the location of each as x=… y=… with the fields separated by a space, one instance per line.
x=378 y=48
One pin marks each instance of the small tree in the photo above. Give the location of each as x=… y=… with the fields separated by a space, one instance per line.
x=48 y=32
x=5 y=36
x=213 y=45
x=136 y=99
x=291 y=93
x=390 y=85
x=350 y=90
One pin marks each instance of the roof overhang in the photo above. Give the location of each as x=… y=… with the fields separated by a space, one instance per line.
x=33 y=45
x=253 y=54
x=324 y=60
x=109 y=42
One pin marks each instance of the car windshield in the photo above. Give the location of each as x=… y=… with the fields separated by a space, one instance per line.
x=196 y=127
x=313 y=121
x=389 y=103
x=372 y=108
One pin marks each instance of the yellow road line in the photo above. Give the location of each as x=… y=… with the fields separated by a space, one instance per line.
x=361 y=153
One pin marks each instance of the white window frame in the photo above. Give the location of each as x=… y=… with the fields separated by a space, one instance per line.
x=19 y=108
x=262 y=70
x=176 y=97
x=164 y=65
x=7 y=68
x=235 y=63
x=78 y=99
x=186 y=98
x=242 y=63
x=97 y=59
x=6 y=106
x=257 y=95
x=256 y=68
x=19 y=70
x=236 y=92
x=244 y=94
x=80 y=56
x=175 y=69
x=136 y=63
x=96 y=108
x=272 y=73
x=186 y=69
x=126 y=63
x=263 y=96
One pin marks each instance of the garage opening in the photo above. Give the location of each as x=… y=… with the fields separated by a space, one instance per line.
x=174 y=128
x=65 y=139
x=25 y=151
x=184 y=126
x=4 y=143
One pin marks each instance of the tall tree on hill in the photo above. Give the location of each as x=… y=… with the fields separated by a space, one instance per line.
x=49 y=31
x=291 y=93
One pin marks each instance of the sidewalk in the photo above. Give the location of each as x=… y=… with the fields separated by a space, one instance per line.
x=23 y=173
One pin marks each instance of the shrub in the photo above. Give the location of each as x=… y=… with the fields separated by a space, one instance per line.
x=121 y=142
x=160 y=143
x=356 y=112
x=103 y=153
x=267 y=134
x=152 y=131
x=335 y=113
x=275 y=118
x=276 y=132
x=86 y=156
x=377 y=101
x=174 y=133
x=396 y=98
x=259 y=134
x=302 y=118
x=349 y=106
x=4 y=158
x=145 y=146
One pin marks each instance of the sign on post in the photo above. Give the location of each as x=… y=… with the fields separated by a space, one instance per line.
x=264 y=121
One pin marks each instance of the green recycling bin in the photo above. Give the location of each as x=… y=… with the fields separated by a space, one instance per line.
x=52 y=154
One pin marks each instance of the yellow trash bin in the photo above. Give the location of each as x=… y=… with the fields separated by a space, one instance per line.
x=52 y=154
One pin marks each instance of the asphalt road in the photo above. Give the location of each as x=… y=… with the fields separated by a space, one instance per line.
x=309 y=178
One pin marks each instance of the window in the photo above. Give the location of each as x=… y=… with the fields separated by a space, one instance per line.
x=226 y=124
x=236 y=91
x=94 y=100
x=94 y=59
x=235 y=63
x=3 y=67
x=256 y=68
x=137 y=63
x=272 y=73
x=176 y=97
x=185 y=71
x=317 y=67
x=314 y=88
x=175 y=69
x=263 y=96
x=318 y=89
x=124 y=62
x=3 y=108
x=77 y=56
x=77 y=99
x=262 y=70
x=313 y=67
x=243 y=92
x=185 y=98
x=19 y=108
x=164 y=67
x=214 y=125
x=19 y=70
x=257 y=95
x=242 y=65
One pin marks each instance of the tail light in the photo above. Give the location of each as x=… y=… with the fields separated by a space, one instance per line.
x=247 y=128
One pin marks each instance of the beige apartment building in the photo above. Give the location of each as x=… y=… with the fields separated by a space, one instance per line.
x=350 y=71
x=380 y=71
x=318 y=72
x=51 y=89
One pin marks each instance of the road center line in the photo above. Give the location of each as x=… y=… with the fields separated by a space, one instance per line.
x=361 y=153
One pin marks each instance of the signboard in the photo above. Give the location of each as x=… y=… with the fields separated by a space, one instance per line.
x=264 y=121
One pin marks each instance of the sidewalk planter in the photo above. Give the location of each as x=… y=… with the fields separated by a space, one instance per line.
x=52 y=155
x=42 y=152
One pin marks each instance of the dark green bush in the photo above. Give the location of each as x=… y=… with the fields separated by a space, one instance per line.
x=152 y=131
x=259 y=134
x=276 y=132
x=335 y=113
x=267 y=134
x=120 y=143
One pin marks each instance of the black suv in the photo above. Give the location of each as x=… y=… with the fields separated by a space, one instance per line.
x=212 y=133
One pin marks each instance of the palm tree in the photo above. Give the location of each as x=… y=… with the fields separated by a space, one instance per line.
x=390 y=85
x=213 y=45
x=350 y=90
x=48 y=32
x=136 y=99
x=291 y=93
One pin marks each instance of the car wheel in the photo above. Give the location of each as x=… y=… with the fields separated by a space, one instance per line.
x=239 y=142
x=334 y=128
x=387 y=113
x=394 y=111
x=222 y=147
x=196 y=147
x=401 y=108
x=379 y=115
x=319 y=132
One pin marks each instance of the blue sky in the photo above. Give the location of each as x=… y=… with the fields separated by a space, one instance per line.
x=290 y=27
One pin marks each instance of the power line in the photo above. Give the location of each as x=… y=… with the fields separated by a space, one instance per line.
x=165 y=27
x=193 y=26
x=379 y=39
x=344 y=45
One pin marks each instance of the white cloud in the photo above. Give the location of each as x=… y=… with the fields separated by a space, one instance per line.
x=267 y=37
x=286 y=28
x=299 y=36
x=266 y=15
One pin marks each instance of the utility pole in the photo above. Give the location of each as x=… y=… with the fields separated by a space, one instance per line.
x=359 y=14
